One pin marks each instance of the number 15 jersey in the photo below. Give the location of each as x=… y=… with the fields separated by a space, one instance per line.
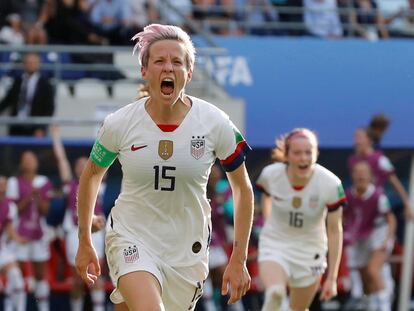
x=163 y=203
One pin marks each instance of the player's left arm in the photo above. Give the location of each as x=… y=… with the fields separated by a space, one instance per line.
x=236 y=275
x=334 y=230
x=399 y=188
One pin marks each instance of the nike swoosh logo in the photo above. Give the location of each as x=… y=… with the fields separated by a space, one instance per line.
x=133 y=148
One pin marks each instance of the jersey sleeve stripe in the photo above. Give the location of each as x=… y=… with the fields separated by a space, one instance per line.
x=237 y=157
x=260 y=188
x=338 y=204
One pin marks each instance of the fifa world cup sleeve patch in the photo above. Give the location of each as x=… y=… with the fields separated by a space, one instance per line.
x=102 y=156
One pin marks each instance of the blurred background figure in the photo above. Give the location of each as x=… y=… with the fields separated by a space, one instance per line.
x=367 y=21
x=322 y=18
x=32 y=193
x=381 y=166
x=12 y=33
x=369 y=234
x=31 y=95
x=15 y=298
x=70 y=225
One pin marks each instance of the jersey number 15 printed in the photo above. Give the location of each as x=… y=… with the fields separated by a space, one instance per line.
x=164 y=176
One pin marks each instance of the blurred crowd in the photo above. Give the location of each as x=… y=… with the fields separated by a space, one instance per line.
x=103 y=22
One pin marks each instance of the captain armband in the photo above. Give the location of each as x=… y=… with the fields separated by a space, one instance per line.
x=102 y=156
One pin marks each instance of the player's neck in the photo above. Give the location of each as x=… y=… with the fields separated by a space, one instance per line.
x=28 y=176
x=366 y=151
x=168 y=114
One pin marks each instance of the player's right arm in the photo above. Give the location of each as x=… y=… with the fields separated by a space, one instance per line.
x=102 y=156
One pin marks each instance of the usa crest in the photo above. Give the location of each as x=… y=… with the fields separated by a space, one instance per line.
x=131 y=254
x=314 y=201
x=296 y=202
x=165 y=149
x=198 y=146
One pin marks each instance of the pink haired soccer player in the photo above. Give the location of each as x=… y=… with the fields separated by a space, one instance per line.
x=305 y=222
x=157 y=242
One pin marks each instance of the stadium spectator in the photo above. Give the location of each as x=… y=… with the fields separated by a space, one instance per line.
x=31 y=95
x=29 y=11
x=396 y=15
x=70 y=225
x=322 y=19
x=217 y=16
x=289 y=11
x=304 y=223
x=67 y=22
x=255 y=14
x=142 y=13
x=14 y=297
x=32 y=193
x=166 y=145
x=369 y=234
x=381 y=167
x=12 y=33
x=111 y=19
x=367 y=21
x=175 y=12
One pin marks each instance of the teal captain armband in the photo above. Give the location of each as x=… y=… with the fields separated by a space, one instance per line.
x=102 y=156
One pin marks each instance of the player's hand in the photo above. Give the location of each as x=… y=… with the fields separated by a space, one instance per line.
x=408 y=213
x=329 y=290
x=87 y=263
x=236 y=280
x=98 y=223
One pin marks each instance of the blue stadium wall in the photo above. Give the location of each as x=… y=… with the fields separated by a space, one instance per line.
x=330 y=86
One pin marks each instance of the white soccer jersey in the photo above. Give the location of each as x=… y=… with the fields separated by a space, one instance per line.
x=297 y=220
x=163 y=202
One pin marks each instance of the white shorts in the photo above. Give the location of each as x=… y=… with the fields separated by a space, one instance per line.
x=301 y=271
x=359 y=252
x=72 y=243
x=37 y=250
x=6 y=255
x=181 y=287
x=217 y=257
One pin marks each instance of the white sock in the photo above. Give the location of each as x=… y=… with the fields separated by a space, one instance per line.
x=356 y=284
x=76 y=304
x=42 y=295
x=384 y=300
x=15 y=283
x=98 y=299
x=373 y=302
x=7 y=303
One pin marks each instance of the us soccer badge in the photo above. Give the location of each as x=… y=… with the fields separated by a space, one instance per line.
x=165 y=149
x=197 y=146
x=131 y=254
x=296 y=202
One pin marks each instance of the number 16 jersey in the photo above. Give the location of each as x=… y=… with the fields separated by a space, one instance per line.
x=297 y=220
x=163 y=203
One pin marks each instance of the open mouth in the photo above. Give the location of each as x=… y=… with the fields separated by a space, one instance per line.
x=303 y=166
x=167 y=87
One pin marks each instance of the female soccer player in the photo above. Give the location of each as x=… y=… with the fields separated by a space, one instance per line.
x=305 y=222
x=14 y=293
x=160 y=228
x=32 y=194
x=369 y=231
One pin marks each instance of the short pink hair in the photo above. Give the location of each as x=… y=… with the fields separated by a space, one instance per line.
x=156 y=32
